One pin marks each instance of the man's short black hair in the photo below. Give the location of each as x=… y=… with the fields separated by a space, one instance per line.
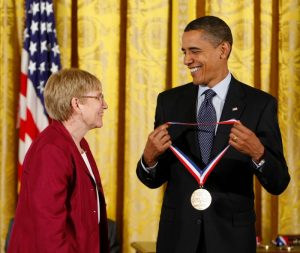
x=215 y=28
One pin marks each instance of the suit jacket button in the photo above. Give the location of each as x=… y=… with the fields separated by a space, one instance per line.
x=94 y=211
x=199 y=221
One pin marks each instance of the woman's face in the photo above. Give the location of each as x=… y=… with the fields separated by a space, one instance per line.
x=93 y=109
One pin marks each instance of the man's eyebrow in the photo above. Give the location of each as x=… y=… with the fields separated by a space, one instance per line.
x=190 y=48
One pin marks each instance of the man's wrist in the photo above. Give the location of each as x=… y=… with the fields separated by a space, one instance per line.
x=260 y=163
x=259 y=160
x=148 y=162
x=258 y=157
x=147 y=169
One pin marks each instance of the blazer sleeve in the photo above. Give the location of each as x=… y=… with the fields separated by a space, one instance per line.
x=274 y=174
x=158 y=175
x=51 y=174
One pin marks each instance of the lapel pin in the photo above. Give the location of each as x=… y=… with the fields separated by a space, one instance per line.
x=234 y=109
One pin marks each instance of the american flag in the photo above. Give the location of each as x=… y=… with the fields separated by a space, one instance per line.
x=40 y=58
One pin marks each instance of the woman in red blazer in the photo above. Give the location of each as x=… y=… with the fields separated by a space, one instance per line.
x=61 y=207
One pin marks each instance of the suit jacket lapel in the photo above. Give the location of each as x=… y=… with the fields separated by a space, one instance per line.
x=191 y=112
x=233 y=108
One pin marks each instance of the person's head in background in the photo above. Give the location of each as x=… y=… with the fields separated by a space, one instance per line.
x=206 y=44
x=75 y=96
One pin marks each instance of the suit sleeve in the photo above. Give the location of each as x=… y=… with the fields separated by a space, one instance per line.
x=274 y=175
x=50 y=174
x=158 y=175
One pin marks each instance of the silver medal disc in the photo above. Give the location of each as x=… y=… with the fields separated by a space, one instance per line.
x=201 y=199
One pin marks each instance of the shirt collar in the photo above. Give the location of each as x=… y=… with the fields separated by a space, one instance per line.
x=220 y=88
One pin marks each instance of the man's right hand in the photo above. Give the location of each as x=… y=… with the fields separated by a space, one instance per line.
x=158 y=142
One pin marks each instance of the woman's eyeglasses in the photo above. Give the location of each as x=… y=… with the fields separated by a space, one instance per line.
x=100 y=97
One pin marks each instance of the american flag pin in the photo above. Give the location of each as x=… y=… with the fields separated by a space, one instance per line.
x=234 y=109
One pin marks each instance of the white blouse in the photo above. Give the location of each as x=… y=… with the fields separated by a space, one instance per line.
x=86 y=160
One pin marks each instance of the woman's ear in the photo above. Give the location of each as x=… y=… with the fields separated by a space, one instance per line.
x=75 y=105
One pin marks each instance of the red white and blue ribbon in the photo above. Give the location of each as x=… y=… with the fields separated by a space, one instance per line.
x=200 y=175
x=281 y=241
x=226 y=122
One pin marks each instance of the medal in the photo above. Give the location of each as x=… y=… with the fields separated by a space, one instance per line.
x=201 y=199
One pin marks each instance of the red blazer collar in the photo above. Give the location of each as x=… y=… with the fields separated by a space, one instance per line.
x=63 y=131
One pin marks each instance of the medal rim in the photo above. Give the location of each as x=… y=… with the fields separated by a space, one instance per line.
x=200 y=206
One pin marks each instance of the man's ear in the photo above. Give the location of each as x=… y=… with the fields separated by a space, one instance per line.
x=225 y=48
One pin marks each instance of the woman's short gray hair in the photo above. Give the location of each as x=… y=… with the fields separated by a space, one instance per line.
x=64 y=85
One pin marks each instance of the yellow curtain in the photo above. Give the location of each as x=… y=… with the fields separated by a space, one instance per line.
x=146 y=75
x=182 y=13
x=10 y=50
x=98 y=53
x=134 y=48
x=289 y=112
x=63 y=20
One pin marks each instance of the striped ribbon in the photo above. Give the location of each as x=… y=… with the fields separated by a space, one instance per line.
x=200 y=175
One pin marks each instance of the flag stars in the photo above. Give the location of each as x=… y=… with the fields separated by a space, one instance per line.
x=32 y=47
x=54 y=68
x=35 y=8
x=49 y=9
x=43 y=27
x=55 y=49
x=26 y=35
x=42 y=67
x=34 y=27
x=41 y=58
x=41 y=86
x=44 y=46
x=49 y=27
x=32 y=67
x=43 y=7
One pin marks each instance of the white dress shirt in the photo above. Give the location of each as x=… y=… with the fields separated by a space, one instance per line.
x=218 y=100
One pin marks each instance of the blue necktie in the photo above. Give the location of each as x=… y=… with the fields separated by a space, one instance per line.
x=206 y=114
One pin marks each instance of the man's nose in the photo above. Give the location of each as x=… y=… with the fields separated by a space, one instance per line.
x=188 y=59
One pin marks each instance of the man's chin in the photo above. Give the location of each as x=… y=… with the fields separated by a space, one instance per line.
x=198 y=83
x=196 y=80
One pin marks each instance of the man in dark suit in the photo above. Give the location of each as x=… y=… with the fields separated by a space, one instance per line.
x=219 y=215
